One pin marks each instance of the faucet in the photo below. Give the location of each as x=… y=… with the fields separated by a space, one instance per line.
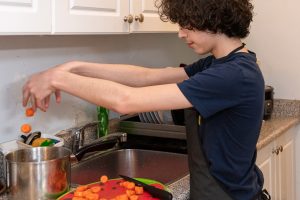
x=121 y=136
x=79 y=137
x=108 y=142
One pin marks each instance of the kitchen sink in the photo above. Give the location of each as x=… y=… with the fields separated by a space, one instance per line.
x=153 y=151
x=161 y=159
x=165 y=167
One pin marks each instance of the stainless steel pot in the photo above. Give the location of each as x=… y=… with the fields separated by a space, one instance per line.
x=38 y=173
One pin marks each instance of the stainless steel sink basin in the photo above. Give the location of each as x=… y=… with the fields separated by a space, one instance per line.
x=162 y=166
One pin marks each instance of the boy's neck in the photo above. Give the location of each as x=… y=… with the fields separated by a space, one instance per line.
x=224 y=45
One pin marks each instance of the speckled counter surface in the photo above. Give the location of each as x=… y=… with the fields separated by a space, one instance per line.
x=273 y=128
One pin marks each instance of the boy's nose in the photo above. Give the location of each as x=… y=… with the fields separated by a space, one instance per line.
x=182 y=34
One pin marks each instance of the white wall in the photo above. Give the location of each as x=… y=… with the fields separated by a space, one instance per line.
x=275 y=37
x=21 y=56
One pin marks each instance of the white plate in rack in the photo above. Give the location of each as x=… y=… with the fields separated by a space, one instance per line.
x=141 y=118
x=154 y=118
x=145 y=118
x=157 y=117
x=149 y=118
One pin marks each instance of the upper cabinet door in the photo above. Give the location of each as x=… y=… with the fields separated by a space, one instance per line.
x=146 y=18
x=25 y=17
x=90 y=16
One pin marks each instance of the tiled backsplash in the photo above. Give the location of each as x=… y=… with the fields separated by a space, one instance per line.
x=285 y=107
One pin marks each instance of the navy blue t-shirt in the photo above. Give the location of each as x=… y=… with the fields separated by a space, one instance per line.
x=229 y=95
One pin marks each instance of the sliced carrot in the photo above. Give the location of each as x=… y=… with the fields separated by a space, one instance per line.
x=78 y=194
x=29 y=112
x=95 y=189
x=87 y=192
x=138 y=190
x=134 y=197
x=125 y=184
x=92 y=196
x=81 y=188
x=103 y=179
x=78 y=198
x=26 y=128
x=130 y=192
x=122 y=197
x=130 y=185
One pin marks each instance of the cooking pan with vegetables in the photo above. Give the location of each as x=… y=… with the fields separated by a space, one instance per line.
x=38 y=173
x=45 y=172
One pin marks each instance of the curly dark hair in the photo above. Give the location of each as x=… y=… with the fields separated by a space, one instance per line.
x=230 y=17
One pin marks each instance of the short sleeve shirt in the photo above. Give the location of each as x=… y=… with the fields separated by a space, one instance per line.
x=229 y=95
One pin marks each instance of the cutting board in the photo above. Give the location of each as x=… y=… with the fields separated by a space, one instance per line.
x=112 y=188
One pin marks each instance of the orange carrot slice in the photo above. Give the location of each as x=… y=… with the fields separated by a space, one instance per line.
x=26 y=128
x=122 y=197
x=103 y=179
x=134 y=197
x=130 y=185
x=96 y=189
x=138 y=190
x=29 y=112
x=81 y=188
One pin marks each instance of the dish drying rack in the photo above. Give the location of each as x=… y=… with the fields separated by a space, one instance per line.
x=131 y=124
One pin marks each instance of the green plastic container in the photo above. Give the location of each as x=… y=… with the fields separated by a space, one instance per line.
x=103 y=115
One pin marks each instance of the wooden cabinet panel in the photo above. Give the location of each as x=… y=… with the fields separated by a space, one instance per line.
x=25 y=17
x=90 y=16
x=266 y=162
x=80 y=17
x=152 y=22
x=285 y=167
x=277 y=162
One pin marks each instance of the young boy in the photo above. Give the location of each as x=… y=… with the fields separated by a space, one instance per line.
x=226 y=90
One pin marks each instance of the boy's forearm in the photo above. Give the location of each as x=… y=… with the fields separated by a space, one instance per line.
x=130 y=75
x=121 y=73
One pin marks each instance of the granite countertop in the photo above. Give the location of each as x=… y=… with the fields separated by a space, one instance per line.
x=273 y=128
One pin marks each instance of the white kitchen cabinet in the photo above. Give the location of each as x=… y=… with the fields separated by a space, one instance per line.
x=107 y=16
x=285 y=167
x=21 y=17
x=90 y=16
x=151 y=22
x=266 y=163
x=277 y=162
x=25 y=17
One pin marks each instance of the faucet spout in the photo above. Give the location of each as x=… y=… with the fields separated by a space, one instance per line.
x=121 y=136
x=110 y=141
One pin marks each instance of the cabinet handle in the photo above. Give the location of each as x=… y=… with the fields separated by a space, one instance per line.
x=128 y=19
x=276 y=151
x=139 y=18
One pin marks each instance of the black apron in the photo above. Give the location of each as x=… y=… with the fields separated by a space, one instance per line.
x=203 y=186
